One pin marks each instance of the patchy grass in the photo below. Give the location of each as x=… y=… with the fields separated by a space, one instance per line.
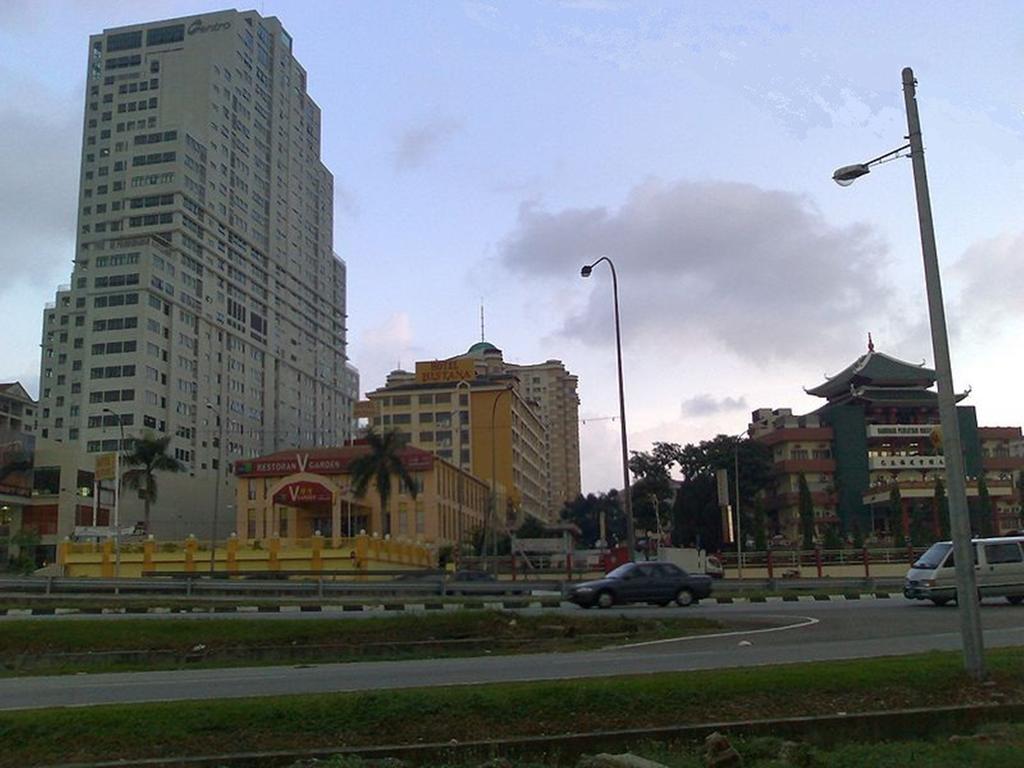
x=55 y=647
x=992 y=747
x=467 y=713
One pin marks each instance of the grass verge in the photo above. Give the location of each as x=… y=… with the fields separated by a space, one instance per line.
x=42 y=737
x=57 y=647
x=998 y=745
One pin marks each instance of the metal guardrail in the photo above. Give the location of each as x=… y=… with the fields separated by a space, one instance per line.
x=196 y=586
x=426 y=586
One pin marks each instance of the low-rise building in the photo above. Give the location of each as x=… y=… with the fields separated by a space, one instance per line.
x=18 y=411
x=293 y=494
x=45 y=492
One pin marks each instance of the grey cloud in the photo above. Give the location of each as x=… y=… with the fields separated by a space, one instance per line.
x=39 y=157
x=991 y=273
x=706 y=405
x=704 y=263
x=417 y=145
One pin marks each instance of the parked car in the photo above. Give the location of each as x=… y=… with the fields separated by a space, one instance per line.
x=473 y=582
x=471 y=575
x=657 y=583
x=998 y=565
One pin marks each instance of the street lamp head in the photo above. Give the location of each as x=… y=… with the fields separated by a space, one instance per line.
x=585 y=272
x=848 y=174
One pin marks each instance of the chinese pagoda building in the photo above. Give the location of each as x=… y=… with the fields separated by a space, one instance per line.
x=877 y=432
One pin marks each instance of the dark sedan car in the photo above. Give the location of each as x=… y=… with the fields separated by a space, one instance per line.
x=658 y=583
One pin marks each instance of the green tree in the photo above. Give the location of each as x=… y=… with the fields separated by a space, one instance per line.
x=981 y=510
x=377 y=468
x=653 y=486
x=148 y=455
x=585 y=513
x=26 y=540
x=532 y=528
x=899 y=539
x=805 y=507
x=485 y=541
x=857 y=534
x=697 y=517
x=920 y=524
x=832 y=537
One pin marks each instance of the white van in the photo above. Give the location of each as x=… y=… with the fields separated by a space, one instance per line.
x=998 y=565
x=692 y=560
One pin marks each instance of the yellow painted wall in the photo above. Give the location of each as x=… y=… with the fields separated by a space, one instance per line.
x=481 y=403
x=358 y=554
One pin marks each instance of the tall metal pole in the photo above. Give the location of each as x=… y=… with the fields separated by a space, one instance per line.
x=627 y=496
x=966 y=583
x=117 y=511
x=458 y=407
x=627 y=503
x=216 y=490
x=494 y=482
x=117 y=498
x=739 y=520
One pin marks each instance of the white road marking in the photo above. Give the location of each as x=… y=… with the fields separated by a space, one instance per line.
x=806 y=621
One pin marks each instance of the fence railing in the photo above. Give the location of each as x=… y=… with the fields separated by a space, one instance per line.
x=783 y=563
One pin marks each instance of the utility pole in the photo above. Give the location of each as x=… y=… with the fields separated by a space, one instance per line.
x=960 y=526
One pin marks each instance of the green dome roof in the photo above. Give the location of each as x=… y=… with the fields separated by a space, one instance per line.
x=482 y=347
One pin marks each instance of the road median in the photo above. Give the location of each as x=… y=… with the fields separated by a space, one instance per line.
x=506 y=711
x=92 y=645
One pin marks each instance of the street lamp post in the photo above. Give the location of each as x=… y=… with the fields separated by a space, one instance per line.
x=216 y=492
x=627 y=503
x=739 y=519
x=966 y=582
x=457 y=408
x=117 y=496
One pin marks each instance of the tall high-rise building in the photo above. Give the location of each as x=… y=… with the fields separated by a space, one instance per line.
x=525 y=442
x=206 y=303
x=552 y=390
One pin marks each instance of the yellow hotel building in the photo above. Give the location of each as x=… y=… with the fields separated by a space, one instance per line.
x=487 y=417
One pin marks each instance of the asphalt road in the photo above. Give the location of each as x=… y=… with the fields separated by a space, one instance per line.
x=780 y=633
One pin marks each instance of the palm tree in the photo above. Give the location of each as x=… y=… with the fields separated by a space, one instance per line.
x=149 y=455
x=377 y=467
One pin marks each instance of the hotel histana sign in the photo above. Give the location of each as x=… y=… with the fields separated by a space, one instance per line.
x=442 y=371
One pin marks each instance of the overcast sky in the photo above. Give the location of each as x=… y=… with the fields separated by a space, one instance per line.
x=484 y=151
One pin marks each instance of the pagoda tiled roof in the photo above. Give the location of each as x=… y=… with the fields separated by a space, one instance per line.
x=875 y=370
x=894 y=396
